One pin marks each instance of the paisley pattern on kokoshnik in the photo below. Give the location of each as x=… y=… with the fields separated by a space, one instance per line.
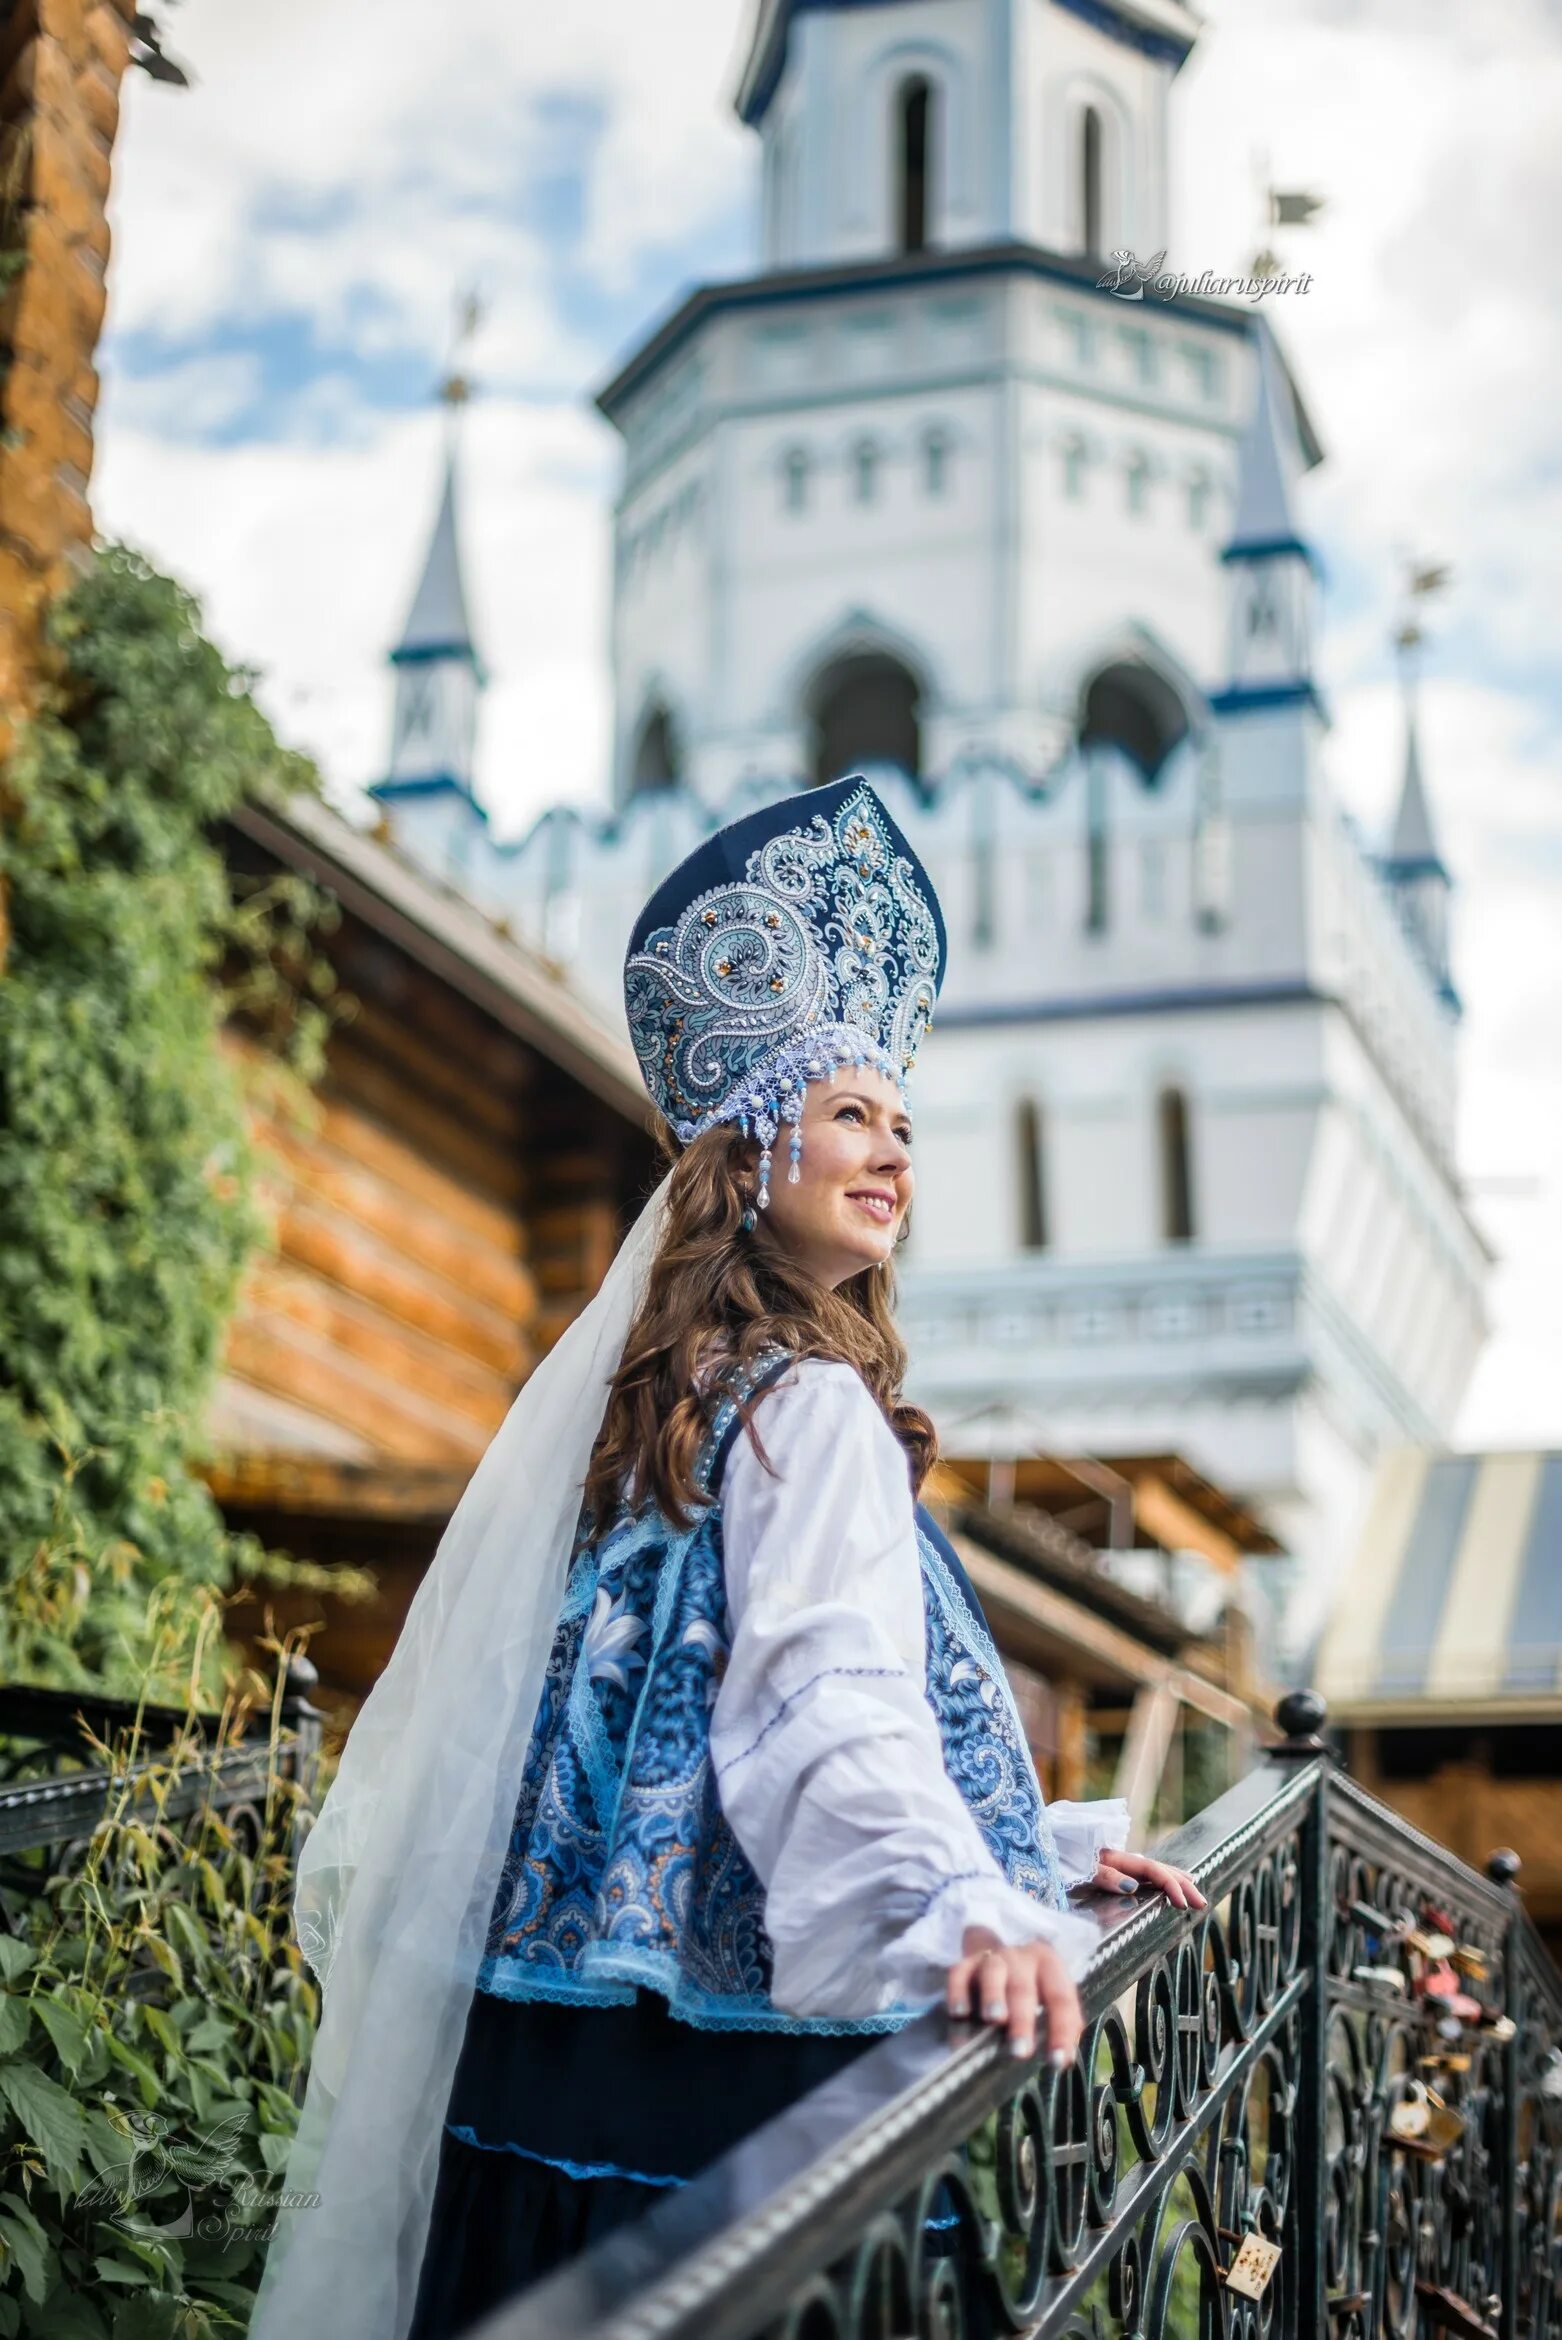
x=804 y=937
x=622 y=1871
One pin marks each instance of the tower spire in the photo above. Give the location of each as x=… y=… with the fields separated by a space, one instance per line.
x=1413 y=867
x=439 y=675
x=1271 y=569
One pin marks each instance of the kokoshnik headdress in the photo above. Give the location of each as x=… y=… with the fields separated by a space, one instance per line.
x=804 y=937
x=801 y=938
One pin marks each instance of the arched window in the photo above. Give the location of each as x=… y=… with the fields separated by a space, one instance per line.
x=656 y=758
x=864 y=709
x=1171 y=1111
x=1098 y=867
x=865 y=471
x=1091 y=179
x=1129 y=706
x=914 y=159
x=794 y=479
x=935 y=461
x=1031 y=1135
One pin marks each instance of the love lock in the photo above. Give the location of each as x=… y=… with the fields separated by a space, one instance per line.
x=1383 y=1978
x=1412 y=2115
x=1436 y=1947
x=1500 y=2028
x=1472 y=1962
x=1250 y=2270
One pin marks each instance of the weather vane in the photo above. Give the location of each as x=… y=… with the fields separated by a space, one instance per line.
x=456 y=386
x=1419 y=579
x=1280 y=207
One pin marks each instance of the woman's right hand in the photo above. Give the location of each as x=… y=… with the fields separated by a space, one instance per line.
x=1011 y=1985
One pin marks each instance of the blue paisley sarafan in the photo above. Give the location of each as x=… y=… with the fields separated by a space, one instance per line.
x=827 y=952
x=621 y=1871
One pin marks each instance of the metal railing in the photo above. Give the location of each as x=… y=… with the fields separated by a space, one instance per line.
x=55 y=1788
x=1350 y=2057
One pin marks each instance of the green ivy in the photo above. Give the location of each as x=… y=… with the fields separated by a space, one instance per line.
x=155 y=2029
x=126 y=1216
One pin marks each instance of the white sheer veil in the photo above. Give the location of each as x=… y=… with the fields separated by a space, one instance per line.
x=397 y=1877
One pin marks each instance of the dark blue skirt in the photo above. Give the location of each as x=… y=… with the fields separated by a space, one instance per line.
x=565 y=2122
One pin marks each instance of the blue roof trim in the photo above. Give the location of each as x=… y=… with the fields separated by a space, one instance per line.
x=1256 y=698
x=1419 y=865
x=1274 y=548
x=845 y=279
x=436 y=784
x=427 y=653
x=1163 y=46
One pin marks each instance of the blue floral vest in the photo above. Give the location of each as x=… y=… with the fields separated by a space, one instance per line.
x=622 y=1871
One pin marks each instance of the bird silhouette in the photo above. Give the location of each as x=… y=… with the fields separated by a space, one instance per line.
x=157 y=2160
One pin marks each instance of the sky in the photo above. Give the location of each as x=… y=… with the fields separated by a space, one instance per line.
x=292 y=233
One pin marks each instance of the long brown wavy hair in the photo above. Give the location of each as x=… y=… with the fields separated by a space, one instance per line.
x=716 y=1295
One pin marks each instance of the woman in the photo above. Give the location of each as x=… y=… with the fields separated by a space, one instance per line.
x=772 y=1797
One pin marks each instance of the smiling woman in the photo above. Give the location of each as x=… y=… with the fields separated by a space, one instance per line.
x=774 y=1798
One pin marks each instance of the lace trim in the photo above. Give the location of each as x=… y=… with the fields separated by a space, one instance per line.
x=825 y=1674
x=614 y=1973
x=573 y=2169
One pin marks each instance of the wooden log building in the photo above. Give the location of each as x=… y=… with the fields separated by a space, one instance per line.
x=473 y=1155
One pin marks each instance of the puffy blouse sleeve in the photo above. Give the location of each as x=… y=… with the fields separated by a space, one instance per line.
x=826 y=1749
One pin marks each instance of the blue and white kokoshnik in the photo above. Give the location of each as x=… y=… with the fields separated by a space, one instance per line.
x=804 y=937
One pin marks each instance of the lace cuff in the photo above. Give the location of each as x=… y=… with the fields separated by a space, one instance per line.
x=918 y=1960
x=1082 y=1832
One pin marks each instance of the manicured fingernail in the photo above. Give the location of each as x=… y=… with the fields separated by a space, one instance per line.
x=1127 y=1884
x=1060 y=2059
x=960 y=2007
x=996 y=2012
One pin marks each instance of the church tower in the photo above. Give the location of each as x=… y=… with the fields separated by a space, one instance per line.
x=879 y=499
x=439 y=679
x=942 y=494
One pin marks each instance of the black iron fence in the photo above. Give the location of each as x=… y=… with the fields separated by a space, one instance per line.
x=1331 y=2104
x=56 y=1787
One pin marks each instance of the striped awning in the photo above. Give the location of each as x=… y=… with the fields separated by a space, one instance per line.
x=1454 y=1598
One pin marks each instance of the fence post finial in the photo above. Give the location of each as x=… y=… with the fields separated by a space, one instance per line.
x=1301 y=1714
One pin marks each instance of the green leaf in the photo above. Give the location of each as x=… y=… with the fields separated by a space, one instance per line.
x=211 y=2032
x=112 y=2270
x=161 y=2029
x=29 y=2249
x=66 y=2029
x=15 y=1957
x=138 y=2067
x=16 y=2020
x=53 y=2120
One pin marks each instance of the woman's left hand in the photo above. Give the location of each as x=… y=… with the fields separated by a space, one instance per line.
x=1126 y=1872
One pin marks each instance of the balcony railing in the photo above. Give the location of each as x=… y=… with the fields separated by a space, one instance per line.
x=1351 y=2057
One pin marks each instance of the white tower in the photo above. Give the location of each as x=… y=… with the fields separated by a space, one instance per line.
x=880 y=499
x=927 y=497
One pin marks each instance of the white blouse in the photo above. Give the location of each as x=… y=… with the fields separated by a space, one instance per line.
x=826 y=1749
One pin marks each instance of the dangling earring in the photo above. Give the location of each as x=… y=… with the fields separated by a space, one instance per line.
x=749 y=1220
